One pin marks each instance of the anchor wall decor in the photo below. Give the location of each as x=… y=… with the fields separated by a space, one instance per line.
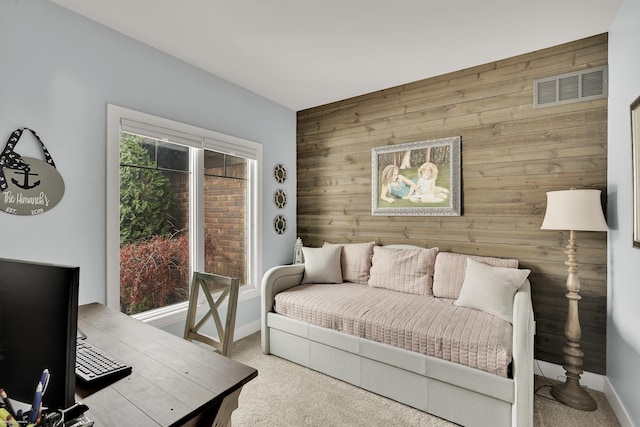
x=25 y=182
x=29 y=186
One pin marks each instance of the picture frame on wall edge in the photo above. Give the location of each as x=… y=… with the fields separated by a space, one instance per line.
x=635 y=156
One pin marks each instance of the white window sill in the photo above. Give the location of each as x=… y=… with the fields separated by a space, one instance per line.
x=177 y=313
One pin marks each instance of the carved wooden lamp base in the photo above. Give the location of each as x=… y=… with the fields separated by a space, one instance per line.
x=571 y=393
x=574 y=396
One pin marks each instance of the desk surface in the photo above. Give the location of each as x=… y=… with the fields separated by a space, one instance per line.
x=174 y=381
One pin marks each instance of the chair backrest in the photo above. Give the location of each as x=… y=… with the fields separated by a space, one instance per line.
x=228 y=290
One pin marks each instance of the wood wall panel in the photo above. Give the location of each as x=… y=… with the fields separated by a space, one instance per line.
x=512 y=154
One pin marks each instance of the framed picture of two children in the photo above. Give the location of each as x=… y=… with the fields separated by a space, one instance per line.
x=419 y=178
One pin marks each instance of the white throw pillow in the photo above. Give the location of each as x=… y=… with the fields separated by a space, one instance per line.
x=491 y=289
x=322 y=265
x=448 y=273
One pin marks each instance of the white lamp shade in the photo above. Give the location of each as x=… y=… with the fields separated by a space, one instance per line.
x=578 y=210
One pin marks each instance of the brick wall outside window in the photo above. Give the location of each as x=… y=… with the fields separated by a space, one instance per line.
x=225 y=225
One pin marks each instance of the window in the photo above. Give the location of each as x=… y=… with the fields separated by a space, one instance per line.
x=179 y=199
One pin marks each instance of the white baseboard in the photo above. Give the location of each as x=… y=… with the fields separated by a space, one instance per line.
x=616 y=404
x=246 y=330
x=557 y=372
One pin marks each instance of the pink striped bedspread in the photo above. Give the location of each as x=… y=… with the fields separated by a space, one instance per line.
x=424 y=324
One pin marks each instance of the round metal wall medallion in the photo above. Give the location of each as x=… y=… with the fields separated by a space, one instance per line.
x=280 y=173
x=280 y=198
x=280 y=224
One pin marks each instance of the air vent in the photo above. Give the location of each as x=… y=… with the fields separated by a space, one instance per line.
x=571 y=87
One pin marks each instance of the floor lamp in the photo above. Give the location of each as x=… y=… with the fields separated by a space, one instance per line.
x=573 y=210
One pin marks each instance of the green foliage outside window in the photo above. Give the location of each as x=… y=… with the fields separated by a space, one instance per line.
x=145 y=193
x=154 y=257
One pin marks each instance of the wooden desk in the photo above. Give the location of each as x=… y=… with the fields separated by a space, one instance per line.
x=174 y=382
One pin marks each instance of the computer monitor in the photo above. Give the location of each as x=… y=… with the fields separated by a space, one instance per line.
x=38 y=323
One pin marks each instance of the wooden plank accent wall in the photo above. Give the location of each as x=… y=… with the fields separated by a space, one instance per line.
x=512 y=154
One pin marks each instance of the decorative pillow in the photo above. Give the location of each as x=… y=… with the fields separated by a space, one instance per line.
x=322 y=265
x=491 y=289
x=403 y=270
x=449 y=271
x=355 y=261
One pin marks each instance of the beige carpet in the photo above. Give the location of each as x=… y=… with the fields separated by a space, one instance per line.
x=286 y=394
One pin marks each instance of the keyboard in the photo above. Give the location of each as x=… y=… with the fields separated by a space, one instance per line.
x=92 y=365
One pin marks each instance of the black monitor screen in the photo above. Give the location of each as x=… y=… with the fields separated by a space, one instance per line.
x=38 y=322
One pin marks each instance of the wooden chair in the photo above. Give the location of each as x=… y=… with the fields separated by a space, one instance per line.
x=210 y=283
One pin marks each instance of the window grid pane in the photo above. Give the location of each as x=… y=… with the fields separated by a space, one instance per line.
x=154 y=227
x=225 y=213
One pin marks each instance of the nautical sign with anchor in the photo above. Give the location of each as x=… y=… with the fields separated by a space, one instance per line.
x=29 y=186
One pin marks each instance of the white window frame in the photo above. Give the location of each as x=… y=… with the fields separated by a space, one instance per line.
x=201 y=139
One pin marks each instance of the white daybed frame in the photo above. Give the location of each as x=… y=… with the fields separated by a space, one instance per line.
x=455 y=392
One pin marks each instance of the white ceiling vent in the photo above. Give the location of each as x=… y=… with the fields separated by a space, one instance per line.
x=571 y=87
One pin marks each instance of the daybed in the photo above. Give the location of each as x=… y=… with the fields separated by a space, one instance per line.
x=446 y=333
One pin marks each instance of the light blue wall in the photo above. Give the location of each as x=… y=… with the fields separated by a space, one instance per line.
x=58 y=71
x=623 y=333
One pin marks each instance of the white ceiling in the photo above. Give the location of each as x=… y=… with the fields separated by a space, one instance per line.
x=302 y=54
